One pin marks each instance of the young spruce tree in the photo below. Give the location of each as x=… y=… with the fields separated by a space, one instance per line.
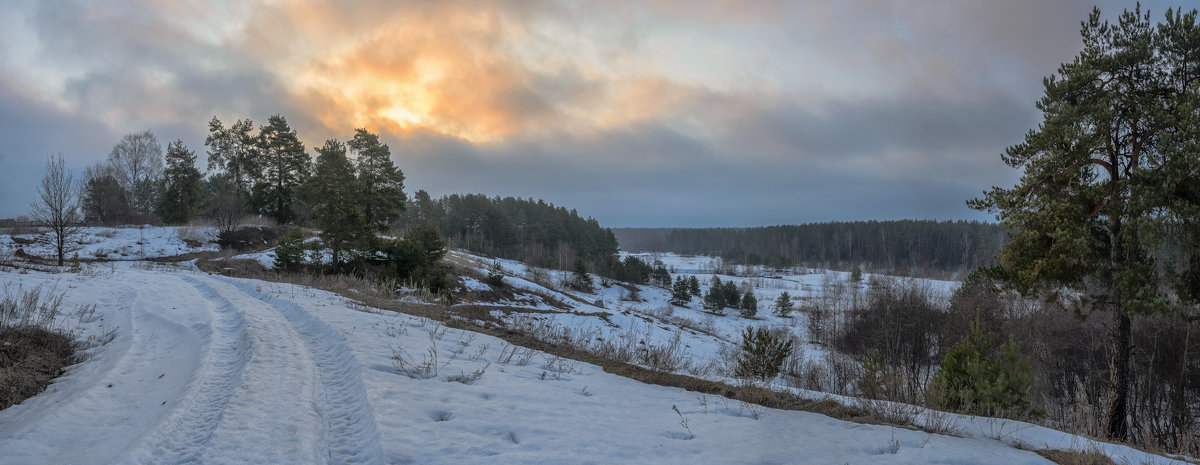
x=783 y=305
x=749 y=305
x=679 y=293
x=693 y=286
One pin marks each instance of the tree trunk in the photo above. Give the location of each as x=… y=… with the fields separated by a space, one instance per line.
x=60 y=242
x=1118 y=389
x=1118 y=399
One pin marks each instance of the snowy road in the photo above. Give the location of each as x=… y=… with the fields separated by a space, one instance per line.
x=252 y=379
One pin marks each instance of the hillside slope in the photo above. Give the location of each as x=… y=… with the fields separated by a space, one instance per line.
x=221 y=370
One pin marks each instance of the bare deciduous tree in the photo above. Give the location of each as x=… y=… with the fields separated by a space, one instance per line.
x=137 y=163
x=57 y=206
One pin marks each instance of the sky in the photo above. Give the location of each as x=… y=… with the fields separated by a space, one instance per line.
x=659 y=113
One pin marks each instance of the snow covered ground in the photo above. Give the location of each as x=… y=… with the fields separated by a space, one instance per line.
x=220 y=370
x=187 y=367
x=125 y=243
x=657 y=322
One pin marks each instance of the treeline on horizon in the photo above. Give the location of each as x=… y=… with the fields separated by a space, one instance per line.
x=532 y=231
x=904 y=246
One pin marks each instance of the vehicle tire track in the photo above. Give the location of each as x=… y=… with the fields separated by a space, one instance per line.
x=349 y=431
x=189 y=431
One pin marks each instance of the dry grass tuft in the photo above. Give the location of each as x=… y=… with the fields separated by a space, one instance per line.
x=30 y=358
x=1075 y=457
x=32 y=352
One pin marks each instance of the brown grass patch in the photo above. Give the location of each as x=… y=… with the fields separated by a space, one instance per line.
x=30 y=359
x=232 y=267
x=1088 y=457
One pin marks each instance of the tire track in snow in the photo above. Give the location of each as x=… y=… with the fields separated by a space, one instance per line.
x=350 y=432
x=188 y=432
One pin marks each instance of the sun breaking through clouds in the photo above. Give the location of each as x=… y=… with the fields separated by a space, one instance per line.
x=653 y=113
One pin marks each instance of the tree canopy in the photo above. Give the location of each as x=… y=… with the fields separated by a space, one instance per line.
x=1111 y=175
x=183 y=191
x=284 y=166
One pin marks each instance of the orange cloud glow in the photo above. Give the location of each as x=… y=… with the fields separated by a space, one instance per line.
x=448 y=68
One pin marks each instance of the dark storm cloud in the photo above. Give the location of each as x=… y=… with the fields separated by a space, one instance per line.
x=32 y=130
x=922 y=123
x=656 y=175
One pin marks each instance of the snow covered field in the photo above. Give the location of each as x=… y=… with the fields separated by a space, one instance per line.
x=187 y=367
x=655 y=320
x=125 y=243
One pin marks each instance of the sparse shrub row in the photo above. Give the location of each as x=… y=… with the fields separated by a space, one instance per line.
x=988 y=351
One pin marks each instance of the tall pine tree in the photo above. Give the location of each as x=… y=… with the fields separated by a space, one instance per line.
x=284 y=167
x=1112 y=173
x=183 y=186
x=233 y=151
x=333 y=193
x=380 y=181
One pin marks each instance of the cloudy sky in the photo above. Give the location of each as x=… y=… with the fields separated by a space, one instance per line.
x=640 y=113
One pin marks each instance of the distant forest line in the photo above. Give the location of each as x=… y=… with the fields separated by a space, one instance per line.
x=905 y=246
x=533 y=231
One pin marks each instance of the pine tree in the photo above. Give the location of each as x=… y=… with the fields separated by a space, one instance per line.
x=289 y=251
x=679 y=293
x=783 y=305
x=660 y=277
x=380 y=181
x=495 y=276
x=733 y=299
x=234 y=152
x=693 y=286
x=981 y=379
x=333 y=193
x=104 y=201
x=763 y=354
x=581 y=281
x=749 y=307
x=183 y=186
x=714 y=298
x=1111 y=173
x=284 y=167
x=416 y=257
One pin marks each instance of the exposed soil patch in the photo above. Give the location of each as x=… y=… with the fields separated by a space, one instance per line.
x=252 y=238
